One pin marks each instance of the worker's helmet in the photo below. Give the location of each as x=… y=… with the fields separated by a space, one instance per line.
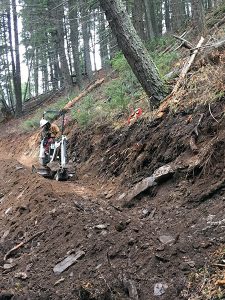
x=43 y=122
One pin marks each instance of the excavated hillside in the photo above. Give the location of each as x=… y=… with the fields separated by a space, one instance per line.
x=142 y=219
x=138 y=249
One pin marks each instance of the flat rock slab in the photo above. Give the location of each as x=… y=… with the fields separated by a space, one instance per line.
x=67 y=262
x=140 y=187
x=166 y=239
x=163 y=173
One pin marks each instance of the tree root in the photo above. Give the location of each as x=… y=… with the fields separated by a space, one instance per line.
x=22 y=244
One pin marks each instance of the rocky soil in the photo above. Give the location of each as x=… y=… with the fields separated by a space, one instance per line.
x=147 y=248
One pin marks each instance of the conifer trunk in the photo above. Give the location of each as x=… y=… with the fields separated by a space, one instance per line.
x=133 y=49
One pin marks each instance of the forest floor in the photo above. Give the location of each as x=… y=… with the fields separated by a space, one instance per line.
x=167 y=243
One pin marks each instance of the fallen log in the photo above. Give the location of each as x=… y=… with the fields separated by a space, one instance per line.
x=183 y=73
x=218 y=24
x=83 y=94
x=185 y=43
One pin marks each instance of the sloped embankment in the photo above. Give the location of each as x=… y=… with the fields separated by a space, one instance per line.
x=167 y=233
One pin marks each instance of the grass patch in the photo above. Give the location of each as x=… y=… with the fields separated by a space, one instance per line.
x=88 y=111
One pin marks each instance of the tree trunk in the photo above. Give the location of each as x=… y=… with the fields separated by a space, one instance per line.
x=133 y=49
x=86 y=39
x=66 y=78
x=56 y=14
x=17 y=73
x=74 y=38
x=103 y=37
x=7 y=62
x=176 y=14
x=149 y=27
x=36 y=74
x=167 y=16
x=153 y=12
x=198 y=16
x=137 y=18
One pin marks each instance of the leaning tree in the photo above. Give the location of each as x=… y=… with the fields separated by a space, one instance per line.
x=133 y=49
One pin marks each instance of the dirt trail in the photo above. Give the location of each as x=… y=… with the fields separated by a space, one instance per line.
x=166 y=234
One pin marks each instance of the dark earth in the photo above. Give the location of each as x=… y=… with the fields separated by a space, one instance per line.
x=163 y=236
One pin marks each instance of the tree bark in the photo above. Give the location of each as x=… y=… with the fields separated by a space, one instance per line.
x=74 y=38
x=103 y=37
x=86 y=39
x=56 y=13
x=17 y=72
x=198 y=16
x=148 y=17
x=138 y=18
x=176 y=14
x=133 y=49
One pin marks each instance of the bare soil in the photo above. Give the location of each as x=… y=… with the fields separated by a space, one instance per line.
x=126 y=254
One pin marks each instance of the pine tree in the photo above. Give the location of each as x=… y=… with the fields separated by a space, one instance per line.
x=133 y=49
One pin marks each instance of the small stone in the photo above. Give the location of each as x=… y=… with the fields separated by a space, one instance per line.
x=122 y=196
x=1 y=195
x=109 y=195
x=19 y=168
x=21 y=275
x=160 y=248
x=71 y=274
x=8 y=266
x=121 y=226
x=8 y=211
x=101 y=226
x=145 y=213
x=5 y=234
x=166 y=239
x=145 y=246
x=104 y=232
x=131 y=242
x=162 y=257
x=191 y=263
x=160 y=289
x=184 y=267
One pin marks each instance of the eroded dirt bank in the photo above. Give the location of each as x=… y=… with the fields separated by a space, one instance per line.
x=164 y=235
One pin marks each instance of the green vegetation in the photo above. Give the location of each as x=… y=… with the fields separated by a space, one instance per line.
x=118 y=94
x=33 y=121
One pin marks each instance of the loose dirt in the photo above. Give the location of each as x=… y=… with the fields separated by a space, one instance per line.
x=165 y=235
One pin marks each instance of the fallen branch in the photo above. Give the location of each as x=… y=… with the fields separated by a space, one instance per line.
x=185 y=43
x=218 y=24
x=195 y=130
x=22 y=244
x=194 y=135
x=187 y=67
x=183 y=73
x=83 y=94
x=170 y=47
x=212 y=114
